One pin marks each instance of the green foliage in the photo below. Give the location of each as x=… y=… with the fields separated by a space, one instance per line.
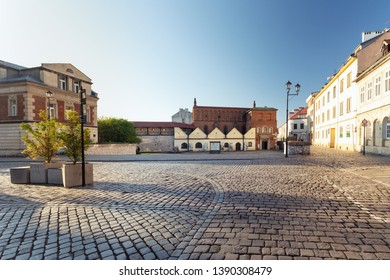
x=70 y=136
x=114 y=130
x=42 y=138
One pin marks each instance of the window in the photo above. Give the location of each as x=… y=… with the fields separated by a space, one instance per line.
x=12 y=106
x=334 y=112
x=295 y=126
x=334 y=92
x=348 y=109
x=198 y=145
x=62 y=82
x=328 y=115
x=348 y=131
x=184 y=146
x=302 y=126
x=323 y=117
x=341 y=85
x=52 y=110
x=388 y=130
x=323 y=100
x=88 y=114
x=377 y=86
x=249 y=144
x=362 y=93
x=387 y=81
x=369 y=90
x=341 y=108
x=341 y=132
x=349 y=79
x=76 y=86
x=328 y=97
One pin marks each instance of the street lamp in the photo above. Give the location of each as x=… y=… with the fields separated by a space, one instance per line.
x=83 y=118
x=49 y=95
x=297 y=89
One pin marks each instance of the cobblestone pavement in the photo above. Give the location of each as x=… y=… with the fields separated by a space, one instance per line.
x=256 y=205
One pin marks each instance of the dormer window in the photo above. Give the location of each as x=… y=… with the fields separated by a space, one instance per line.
x=62 y=82
x=385 y=48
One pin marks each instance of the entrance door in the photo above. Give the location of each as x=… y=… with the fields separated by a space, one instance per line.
x=238 y=147
x=332 y=137
x=264 y=145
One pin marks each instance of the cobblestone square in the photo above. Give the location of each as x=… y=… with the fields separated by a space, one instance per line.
x=243 y=205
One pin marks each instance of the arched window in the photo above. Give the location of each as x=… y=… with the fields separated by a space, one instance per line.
x=249 y=144
x=376 y=133
x=226 y=145
x=198 y=145
x=386 y=128
x=184 y=146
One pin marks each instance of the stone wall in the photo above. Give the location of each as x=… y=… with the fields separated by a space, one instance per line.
x=11 y=142
x=298 y=148
x=157 y=143
x=112 y=149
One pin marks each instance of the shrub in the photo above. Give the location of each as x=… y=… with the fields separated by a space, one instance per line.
x=70 y=135
x=42 y=138
x=114 y=130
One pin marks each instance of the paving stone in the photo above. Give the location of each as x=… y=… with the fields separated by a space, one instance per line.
x=205 y=209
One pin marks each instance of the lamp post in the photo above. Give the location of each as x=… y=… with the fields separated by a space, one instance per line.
x=297 y=89
x=83 y=101
x=49 y=95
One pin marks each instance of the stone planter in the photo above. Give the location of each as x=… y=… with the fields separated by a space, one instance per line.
x=20 y=175
x=54 y=176
x=38 y=171
x=72 y=174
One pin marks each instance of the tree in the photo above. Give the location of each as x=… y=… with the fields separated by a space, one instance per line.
x=114 y=130
x=42 y=138
x=70 y=135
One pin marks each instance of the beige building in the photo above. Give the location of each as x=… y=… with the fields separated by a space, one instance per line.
x=199 y=141
x=358 y=93
x=374 y=105
x=23 y=95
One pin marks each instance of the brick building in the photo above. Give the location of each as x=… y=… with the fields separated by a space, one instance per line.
x=263 y=119
x=23 y=94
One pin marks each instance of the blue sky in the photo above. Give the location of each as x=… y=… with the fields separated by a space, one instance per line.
x=148 y=58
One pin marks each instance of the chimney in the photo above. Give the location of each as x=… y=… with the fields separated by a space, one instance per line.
x=372 y=34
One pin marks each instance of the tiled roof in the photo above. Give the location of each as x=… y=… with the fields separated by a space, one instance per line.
x=302 y=111
x=162 y=125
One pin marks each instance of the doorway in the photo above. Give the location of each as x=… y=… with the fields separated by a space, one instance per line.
x=238 y=147
x=332 y=137
x=264 y=145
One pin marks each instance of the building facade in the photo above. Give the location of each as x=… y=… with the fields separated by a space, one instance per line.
x=358 y=93
x=183 y=116
x=159 y=136
x=23 y=96
x=373 y=110
x=298 y=126
x=242 y=120
x=199 y=141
